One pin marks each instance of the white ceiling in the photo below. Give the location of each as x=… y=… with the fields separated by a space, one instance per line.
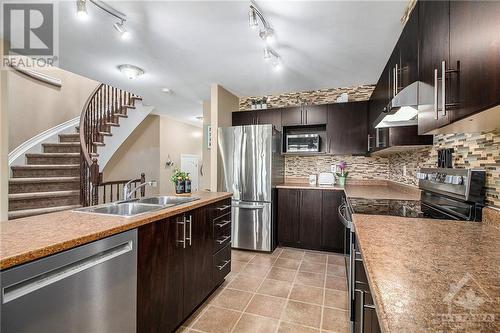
x=186 y=46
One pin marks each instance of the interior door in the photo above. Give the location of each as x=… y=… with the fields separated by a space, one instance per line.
x=252 y=225
x=190 y=164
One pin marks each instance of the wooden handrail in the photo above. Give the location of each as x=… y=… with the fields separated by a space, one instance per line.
x=83 y=144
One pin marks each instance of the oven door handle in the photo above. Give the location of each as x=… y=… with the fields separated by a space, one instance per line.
x=342 y=217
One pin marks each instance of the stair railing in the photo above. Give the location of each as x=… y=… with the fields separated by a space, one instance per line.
x=98 y=116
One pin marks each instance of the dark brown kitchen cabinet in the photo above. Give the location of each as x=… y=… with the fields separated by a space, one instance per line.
x=347 y=128
x=434 y=31
x=160 y=277
x=304 y=115
x=475 y=46
x=288 y=217
x=333 y=231
x=308 y=218
x=408 y=51
x=258 y=117
x=177 y=267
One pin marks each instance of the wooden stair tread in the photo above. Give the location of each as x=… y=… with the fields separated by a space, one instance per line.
x=46 y=166
x=120 y=115
x=43 y=180
x=112 y=124
x=97 y=143
x=105 y=133
x=70 y=144
x=52 y=154
x=39 y=195
x=38 y=211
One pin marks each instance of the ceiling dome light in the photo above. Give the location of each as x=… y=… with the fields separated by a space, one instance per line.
x=81 y=10
x=119 y=26
x=167 y=91
x=131 y=71
x=252 y=19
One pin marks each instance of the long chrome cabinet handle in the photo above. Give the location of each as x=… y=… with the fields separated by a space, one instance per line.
x=25 y=287
x=362 y=309
x=396 y=81
x=190 y=220
x=436 y=116
x=221 y=208
x=222 y=225
x=221 y=267
x=443 y=86
x=220 y=241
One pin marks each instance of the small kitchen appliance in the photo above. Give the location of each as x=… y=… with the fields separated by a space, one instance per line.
x=297 y=143
x=312 y=179
x=326 y=179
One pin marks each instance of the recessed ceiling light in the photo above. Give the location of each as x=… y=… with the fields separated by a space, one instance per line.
x=120 y=27
x=81 y=10
x=130 y=71
x=167 y=91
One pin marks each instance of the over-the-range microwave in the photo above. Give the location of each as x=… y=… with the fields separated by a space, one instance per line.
x=296 y=143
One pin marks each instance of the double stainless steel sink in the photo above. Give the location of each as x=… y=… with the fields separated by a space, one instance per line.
x=135 y=207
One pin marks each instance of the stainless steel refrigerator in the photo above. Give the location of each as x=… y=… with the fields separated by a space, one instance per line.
x=250 y=165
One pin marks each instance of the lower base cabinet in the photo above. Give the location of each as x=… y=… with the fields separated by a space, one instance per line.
x=308 y=218
x=179 y=265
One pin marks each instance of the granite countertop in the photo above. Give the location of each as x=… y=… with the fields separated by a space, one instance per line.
x=431 y=275
x=365 y=189
x=26 y=239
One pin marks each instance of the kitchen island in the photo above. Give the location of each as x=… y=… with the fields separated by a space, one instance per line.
x=431 y=275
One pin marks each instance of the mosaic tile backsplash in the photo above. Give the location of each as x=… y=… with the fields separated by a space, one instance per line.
x=322 y=96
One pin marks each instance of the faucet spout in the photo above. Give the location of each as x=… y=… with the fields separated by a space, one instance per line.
x=127 y=193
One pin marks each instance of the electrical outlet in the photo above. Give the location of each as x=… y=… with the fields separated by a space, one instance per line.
x=333 y=168
x=404 y=170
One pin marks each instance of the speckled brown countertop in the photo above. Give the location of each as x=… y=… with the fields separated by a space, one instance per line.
x=366 y=189
x=30 y=238
x=431 y=275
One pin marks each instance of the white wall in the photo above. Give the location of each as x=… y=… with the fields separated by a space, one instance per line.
x=223 y=103
x=205 y=181
x=4 y=144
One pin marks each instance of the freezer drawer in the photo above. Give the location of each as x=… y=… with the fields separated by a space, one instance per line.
x=252 y=225
x=91 y=288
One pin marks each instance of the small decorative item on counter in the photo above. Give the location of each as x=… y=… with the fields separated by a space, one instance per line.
x=253 y=105
x=187 y=184
x=342 y=175
x=264 y=103
x=178 y=178
x=259 y=104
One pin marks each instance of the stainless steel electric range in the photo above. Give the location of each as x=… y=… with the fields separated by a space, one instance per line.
x=448 y=194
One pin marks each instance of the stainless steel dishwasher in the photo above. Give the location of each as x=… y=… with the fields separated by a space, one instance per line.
x=91 y=288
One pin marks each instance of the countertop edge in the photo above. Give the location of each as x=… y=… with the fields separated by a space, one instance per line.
x=12 y=261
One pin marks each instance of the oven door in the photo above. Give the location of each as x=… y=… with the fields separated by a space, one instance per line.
x=441 y=207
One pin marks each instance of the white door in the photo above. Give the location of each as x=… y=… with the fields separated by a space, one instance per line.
x=191 y=164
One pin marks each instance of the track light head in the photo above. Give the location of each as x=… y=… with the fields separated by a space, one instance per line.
x=267 y=35
x=81 y=9
x=267 y=53
x=252 y=19
x=277 y=64
x=120 y=27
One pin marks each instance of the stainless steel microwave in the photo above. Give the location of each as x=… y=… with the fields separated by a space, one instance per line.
x=296 y=143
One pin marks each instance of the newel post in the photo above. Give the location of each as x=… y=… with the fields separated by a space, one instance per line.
x=95 y=180
x=143 y=180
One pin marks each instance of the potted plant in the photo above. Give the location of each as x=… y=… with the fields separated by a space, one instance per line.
x=178 y=178
x=342 y=175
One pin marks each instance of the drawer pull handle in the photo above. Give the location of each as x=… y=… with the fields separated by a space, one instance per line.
x=221 y=225
x=221 y=267
x=220 y=241
x=221 y=208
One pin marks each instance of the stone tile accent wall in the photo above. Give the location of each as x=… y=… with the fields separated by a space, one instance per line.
x=322 y=96
x=359 y=167
x=472 y=150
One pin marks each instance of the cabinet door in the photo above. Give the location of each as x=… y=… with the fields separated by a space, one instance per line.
x=434 y=28
x=197 y=259
x=242 y=118
x=292 y=116
x=159 y=277
x=408 y=50
x=288 y=216
x=272 y=117
x=475 y=44
x=310 y=219
x=332 y=230
x=347 y=128
x=314 y=115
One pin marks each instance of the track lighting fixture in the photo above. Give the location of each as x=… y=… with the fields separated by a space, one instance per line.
x=266 y=34
x=81 y=12
x=81 y=9
x=119 y=26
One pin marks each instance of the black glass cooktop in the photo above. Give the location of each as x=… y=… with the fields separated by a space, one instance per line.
x=406 y=208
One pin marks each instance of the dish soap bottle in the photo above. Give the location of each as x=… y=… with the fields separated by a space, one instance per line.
x=187 y=185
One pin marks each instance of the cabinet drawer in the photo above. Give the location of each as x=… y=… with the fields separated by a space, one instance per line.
x=222 y=264
x=222 y=238
x=220 y=208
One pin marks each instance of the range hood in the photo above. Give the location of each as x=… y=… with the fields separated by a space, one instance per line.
x=402 y=109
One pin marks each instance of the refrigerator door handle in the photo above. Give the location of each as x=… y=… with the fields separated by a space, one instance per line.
x=243 y=206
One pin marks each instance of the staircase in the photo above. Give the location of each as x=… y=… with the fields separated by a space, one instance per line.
x=49 y=182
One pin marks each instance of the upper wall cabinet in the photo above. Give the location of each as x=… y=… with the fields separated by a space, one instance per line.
x=347 y=128
x=459 y=60
x=475 y=51
x=258 y=117
x=304 y=115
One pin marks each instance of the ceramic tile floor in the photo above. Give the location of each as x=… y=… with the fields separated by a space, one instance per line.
x=288 y=291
